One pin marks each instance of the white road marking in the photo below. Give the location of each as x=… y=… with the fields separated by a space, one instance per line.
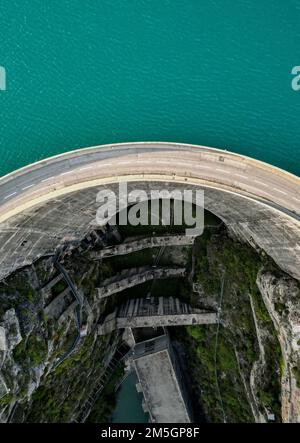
x=29 y=186
x=261 y=183
x=10 y=195
x=296 y=199
x=91 y=167
x=241 y=176
x=85 y=167
x=223 y=170
x=279 y=190
x=46 y=179
x=65 y=173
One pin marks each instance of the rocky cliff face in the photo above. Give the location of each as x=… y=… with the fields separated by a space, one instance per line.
x=51 y=358
x=281 y=295
x=245 y=369
x=47 y=368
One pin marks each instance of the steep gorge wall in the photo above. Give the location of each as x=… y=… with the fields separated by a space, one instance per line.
x=34 y=342
x=32 y=386
x=239 y=369
x=281 y=295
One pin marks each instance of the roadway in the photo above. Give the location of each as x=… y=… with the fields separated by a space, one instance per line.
x=155 y=161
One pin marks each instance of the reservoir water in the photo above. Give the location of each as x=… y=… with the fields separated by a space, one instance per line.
x=212 y=72
x=129 y=403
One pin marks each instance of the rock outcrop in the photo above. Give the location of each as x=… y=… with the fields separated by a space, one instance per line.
x=281 y=295
x=45 y=359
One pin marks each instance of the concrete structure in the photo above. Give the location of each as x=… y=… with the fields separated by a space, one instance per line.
x=159 y=381
x=153 y=312
x=136 y=276
x=55 y=308
x=3 y=345
x=70 y=310
x=54 y=201
x=144 y=243
x=50 y=284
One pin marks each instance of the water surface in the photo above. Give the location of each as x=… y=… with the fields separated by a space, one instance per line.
x=212 y=72
x=129 y=403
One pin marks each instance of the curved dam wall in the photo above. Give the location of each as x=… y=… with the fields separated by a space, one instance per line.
x=52 y=202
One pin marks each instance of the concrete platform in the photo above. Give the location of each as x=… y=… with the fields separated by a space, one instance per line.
x=163 y=395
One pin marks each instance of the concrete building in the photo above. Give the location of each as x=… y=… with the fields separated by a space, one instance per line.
x=160 y=381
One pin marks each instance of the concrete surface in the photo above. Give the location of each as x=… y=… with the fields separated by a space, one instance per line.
x=136 y=276
x=158 y=381
x=145 y=313
x=144 y=243
x=54 y=201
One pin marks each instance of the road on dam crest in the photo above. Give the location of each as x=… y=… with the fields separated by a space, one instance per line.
x=149 y=161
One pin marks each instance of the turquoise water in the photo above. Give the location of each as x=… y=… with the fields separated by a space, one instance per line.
x=212 y=72
x=129 y=403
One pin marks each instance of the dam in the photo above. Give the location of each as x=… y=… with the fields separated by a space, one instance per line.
x=53 y=202
x=91 y=285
